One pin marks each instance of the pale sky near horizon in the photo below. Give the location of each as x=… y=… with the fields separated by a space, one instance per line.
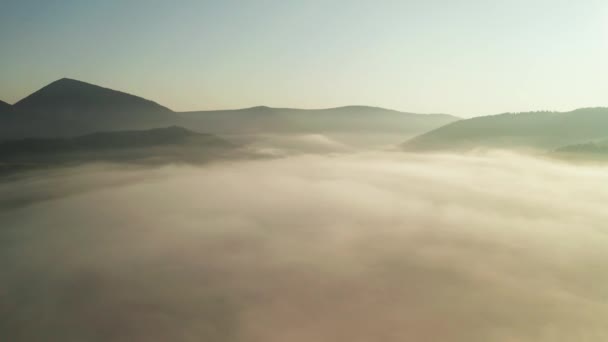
x=463 y=57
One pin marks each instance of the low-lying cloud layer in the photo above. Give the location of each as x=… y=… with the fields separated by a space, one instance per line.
x=365 y=247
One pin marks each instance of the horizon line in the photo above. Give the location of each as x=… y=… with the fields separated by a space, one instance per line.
x=302 y=108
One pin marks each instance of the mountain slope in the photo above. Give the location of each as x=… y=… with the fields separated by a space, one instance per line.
x=533 y=130
x=68 y=107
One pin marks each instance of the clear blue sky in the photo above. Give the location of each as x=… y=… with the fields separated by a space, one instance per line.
x=466 y=57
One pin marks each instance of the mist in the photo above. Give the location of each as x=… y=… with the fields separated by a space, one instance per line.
x=375 y=246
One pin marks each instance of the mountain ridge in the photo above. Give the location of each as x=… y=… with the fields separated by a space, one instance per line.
x=339 y=108
x=536 y=130
x=294 y=120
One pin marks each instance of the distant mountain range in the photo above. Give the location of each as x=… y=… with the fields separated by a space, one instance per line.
x=352 y=119
x=68 y=108
x=533 y=131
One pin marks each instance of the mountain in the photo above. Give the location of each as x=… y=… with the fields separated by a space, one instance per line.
x=344 y=123
x=533 y=130
x=67 y=95
x=68 y=107
x=170 y=144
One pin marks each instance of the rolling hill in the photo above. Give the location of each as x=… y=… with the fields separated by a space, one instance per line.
x=532 y=131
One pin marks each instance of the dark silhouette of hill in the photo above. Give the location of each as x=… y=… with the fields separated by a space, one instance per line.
x=171 y=144
x=68 y=107
x=109 y=140
x=67 y=95
x=533 y=130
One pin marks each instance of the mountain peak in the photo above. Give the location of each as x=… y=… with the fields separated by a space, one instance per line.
x=68 y=107
x=75 y=95
x=67 y=82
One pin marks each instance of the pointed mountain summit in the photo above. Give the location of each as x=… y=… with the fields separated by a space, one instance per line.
x=68 y=94
x=69 y=107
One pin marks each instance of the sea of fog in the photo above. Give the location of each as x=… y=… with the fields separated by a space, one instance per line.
x=357 y=247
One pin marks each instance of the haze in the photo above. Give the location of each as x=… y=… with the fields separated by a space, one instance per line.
x=348 y=247
x=466 y=58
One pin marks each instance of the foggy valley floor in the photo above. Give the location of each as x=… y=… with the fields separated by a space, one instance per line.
x=373 y=246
